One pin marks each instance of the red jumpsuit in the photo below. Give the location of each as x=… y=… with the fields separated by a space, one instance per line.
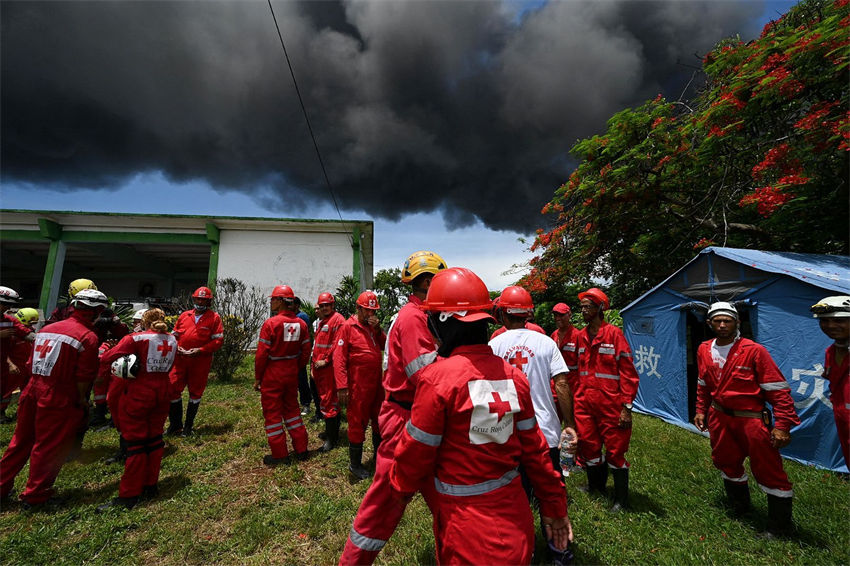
x=607 y=379
x=50 y=410
x=471 y=427
x=323 y=347
x=839 y=387
x=206 y=334
x=144 y=406
x=104 y=377
x=282 y=349
x=529 y=325
x=9 y=351
x=748 y=379
x=568 y=345
x=410 y=347
x=357 y=367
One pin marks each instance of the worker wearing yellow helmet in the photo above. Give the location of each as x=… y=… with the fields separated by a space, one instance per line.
x=61 y=313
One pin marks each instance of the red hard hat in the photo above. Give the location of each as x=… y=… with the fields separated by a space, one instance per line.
x=202 y=293
x=461 y=292
x=561 y=308
x=516 y=300
x=282 y=292
x=597 y=296
x=368 y=300
x=325 y=298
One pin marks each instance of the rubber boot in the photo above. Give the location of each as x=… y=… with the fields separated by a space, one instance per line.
x=191 y=411
x=120 y=456
x=738 y=494
x=331 y=434
x=355 y=466
x=98 y=418
x=175 y=418
x=779 y=520
x=621 y=489
x=597 y=478
x=376 y=441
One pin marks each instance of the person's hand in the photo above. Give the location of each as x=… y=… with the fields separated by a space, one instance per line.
x=342 y=395
x=780 y=438
x=559 y=531
x=192 y=352
x=699 y=422
x=256 y=385
x=7 y=332
x=13 y=369
x=320 y=364
x=625 y=418
x=573 y=446
x=373 y=321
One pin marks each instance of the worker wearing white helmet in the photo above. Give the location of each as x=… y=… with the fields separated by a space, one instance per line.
x=833 y=314
x=14 y=337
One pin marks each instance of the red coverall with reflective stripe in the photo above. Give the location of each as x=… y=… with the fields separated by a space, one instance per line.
x=839 y=387
x=104 y=378
x=357 y=367
x=748 y=379
x=10 y=381
x=206 y=334
x=323 y=348
x=144 y=406
x=471 y=426
x=607 y=379
x=282 y=349
x=50 y=410
x=410 y=347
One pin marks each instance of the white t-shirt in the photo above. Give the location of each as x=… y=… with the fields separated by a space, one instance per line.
x=720 y=353
x=537 y=356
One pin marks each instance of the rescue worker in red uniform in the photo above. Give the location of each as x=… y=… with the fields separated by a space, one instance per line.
x=12 y=332
x=141 y=362
x=357 y=369
x=53 y=406
x=608 y=384
x=199 y=334
x=410 y=347
x=565 y=336
x=22 y=348
x=471 y=427
x=109 y=330
x=324 y=342
x=61 y=313
x=282 y=349
x=833 y=314
x=736 y=378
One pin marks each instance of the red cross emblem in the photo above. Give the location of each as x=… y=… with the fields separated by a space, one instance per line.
x=43 y=349
x=518 y=361
x=291 y=330
x=498 y=406
x=164 y=348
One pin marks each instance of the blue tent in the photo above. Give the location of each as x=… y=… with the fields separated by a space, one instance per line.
x=773 y=292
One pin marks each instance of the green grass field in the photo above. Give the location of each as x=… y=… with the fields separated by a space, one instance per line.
x=220 y=505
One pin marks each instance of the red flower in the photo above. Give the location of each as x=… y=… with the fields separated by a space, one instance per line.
x=766 y=199
x=657 y=122
x=703 y=243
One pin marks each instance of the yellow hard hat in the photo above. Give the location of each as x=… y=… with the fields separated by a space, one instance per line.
x=78 y=285
x=27 y=316
x=421 y=262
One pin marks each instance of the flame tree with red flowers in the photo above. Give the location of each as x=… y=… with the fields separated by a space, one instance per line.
x=758 y=160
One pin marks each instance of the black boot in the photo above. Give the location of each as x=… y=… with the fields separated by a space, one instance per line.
x=621 y=489
x=191 y=411
x=597 y=477
x=331 y=434
x=376 y=441
x=175 y=417
x=98 y=417
x=738 y=494
x=149 y=491
x=779 y=520
x=355 y=466
x=120 y=456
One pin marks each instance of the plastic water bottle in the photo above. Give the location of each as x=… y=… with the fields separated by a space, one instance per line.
x=568 y=454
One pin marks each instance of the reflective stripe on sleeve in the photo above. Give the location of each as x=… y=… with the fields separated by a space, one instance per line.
x=424 y=437
x=701 y=382
x=216 y=336
x=775 y=386
x=607 y=376
x=264 y=341
x=419 y=363
x=323 y=345
x=364 y=542
x=527 y=424
x=624 y=355
x=476 y=488
x=277 y=358
x=745 y=368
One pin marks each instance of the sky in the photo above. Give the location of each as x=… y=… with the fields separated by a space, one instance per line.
x=446 y=123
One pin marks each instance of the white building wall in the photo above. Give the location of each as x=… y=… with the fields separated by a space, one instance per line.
x=309 y=262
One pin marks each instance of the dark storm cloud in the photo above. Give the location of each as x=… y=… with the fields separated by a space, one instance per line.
x=464 y=107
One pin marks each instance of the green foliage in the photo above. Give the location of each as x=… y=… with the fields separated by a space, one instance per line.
x=242 y=310
x=346 y=296
x=758 y=160
x=219 y=505
x=392 y=293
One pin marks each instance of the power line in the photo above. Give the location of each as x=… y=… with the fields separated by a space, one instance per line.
x=306 y=116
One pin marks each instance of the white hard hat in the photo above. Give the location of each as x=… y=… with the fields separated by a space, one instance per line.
x=125 y=367
x=832 y=307
x=722 y=307
x=138 y=314
x=91 y=298
x=9 y=296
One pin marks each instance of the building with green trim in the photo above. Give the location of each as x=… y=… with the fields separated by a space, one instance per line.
x=132 y=257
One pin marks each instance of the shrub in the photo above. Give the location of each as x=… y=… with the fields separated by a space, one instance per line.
x=243 y=310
